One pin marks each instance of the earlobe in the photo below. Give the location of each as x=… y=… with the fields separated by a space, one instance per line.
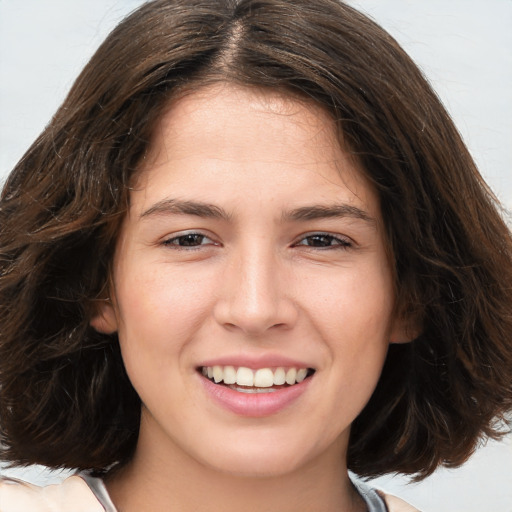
x=104 y=319
x=405 y=330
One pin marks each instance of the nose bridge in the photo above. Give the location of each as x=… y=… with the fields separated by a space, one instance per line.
x=258 y=274
x=255 y=292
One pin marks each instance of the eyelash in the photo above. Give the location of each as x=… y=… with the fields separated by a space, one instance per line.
x=328 y=238
x=340 y=242
x=173 y=242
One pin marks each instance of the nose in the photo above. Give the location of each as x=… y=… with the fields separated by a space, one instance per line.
x=255 y=294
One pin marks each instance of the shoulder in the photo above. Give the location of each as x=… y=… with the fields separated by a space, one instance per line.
x=19 y=496
x=395 y=504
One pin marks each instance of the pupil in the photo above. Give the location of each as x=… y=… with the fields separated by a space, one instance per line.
x=189 y=240
x=320 y=241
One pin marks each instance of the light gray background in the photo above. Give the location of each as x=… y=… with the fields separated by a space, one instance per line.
x=463 y=46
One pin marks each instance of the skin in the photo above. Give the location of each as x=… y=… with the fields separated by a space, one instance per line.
x=257 y=280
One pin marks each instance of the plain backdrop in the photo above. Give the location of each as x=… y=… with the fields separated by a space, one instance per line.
x=463 y=46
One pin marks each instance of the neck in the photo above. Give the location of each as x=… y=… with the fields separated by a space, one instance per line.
x=163 y=480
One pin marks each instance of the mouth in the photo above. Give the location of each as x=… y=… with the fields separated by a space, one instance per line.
x=261 y=380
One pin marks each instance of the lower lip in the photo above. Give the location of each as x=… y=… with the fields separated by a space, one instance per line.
x=254 y=404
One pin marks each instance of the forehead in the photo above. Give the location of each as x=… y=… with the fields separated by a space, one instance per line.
x=227 y=134
x=239 y=115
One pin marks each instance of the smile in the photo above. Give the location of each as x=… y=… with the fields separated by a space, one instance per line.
x=255 y=392
x=262 y=380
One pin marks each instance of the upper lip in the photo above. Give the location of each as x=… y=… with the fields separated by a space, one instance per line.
x=255 y=362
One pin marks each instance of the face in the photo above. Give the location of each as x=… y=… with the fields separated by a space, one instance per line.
x=253 y=252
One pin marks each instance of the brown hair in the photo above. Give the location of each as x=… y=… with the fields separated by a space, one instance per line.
x=65 y=399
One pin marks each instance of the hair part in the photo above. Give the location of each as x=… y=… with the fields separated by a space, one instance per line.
x=65 y=398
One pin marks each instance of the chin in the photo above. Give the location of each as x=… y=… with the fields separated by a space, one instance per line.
x=258 y=460
x=262 y=468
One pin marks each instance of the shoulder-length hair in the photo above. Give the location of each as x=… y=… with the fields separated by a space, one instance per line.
x=65 y=399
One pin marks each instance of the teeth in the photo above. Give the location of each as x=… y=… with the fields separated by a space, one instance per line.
x=290 y=376
x=229 y=375
x=301 y=374
x=261 y=378
x=245 y=377
x=218 y=374
x=264 y=378
x=279 y=377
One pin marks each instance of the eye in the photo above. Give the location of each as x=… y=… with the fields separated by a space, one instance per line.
x=187 y=240
x=324 y=241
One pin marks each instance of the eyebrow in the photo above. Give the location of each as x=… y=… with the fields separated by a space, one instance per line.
x=305 y=213
x=175 y=206
x=315 y=212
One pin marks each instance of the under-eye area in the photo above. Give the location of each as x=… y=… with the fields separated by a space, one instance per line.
x=262 y=380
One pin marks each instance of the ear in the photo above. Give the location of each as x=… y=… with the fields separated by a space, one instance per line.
x=104 y=320
x=405 y=329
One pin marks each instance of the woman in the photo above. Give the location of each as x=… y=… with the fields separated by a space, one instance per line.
x=250 y=252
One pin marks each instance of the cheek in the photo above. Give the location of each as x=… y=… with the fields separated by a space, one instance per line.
x=167 y=305
x=353 y=314
x=157 y=321
x=351 y=302
x=159 y=316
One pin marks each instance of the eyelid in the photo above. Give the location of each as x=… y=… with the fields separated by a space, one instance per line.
x=345 y=241
x=168 y=239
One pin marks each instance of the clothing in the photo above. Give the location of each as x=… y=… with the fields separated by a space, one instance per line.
x=374 y=502
x=89 y=494
x=19 y=496
x=378 y=501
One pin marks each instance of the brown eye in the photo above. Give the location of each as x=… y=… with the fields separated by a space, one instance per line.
x=188 y=240
x=324 y=241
